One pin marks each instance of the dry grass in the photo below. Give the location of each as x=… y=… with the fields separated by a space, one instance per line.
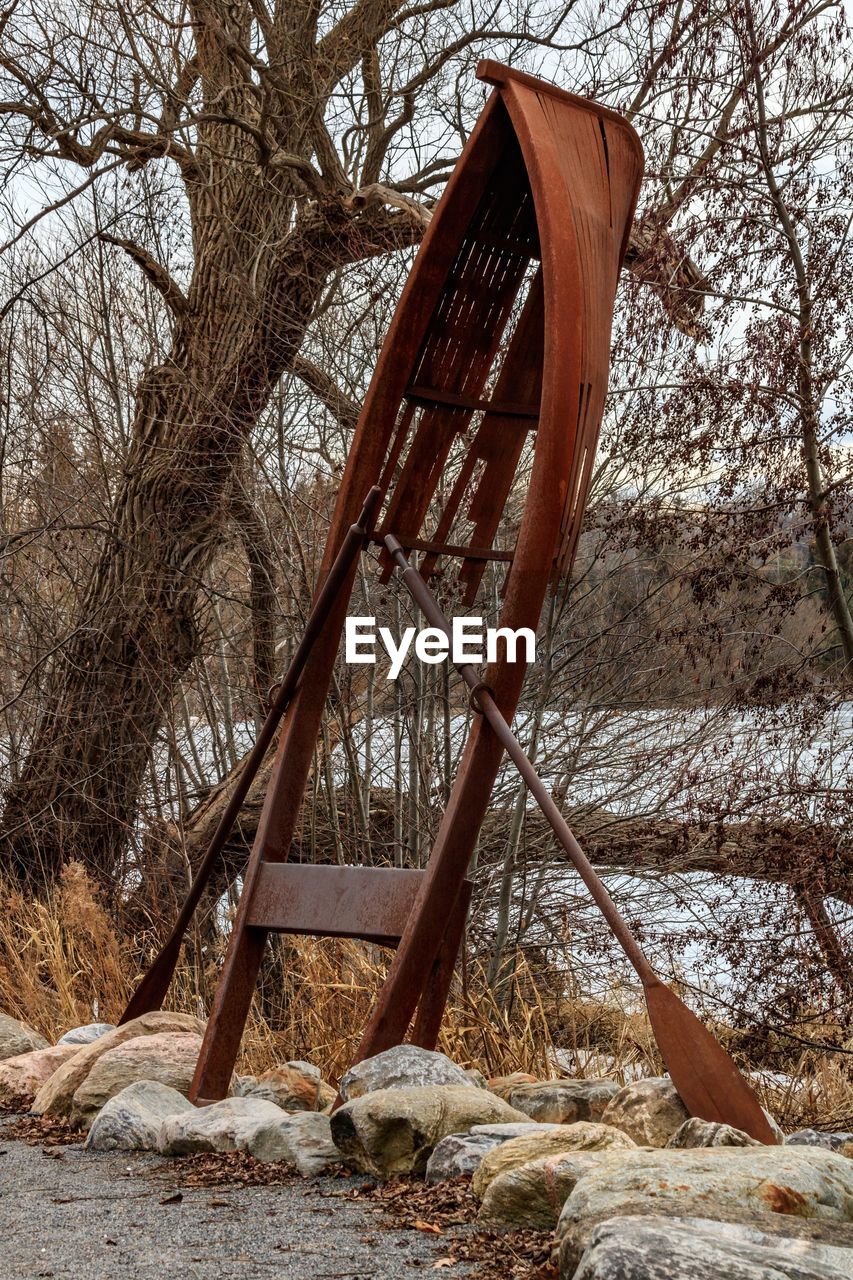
x=61 y=963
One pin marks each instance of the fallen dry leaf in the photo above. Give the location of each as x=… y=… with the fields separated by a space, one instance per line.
x=430 y=1227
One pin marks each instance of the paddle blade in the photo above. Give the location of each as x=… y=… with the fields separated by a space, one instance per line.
x=710 y=1085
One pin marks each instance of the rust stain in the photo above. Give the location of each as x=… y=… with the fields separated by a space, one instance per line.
x=784 y=1200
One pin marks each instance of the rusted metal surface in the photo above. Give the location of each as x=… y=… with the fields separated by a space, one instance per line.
x=340 y=902
x=494 y=368
x=703 y=1073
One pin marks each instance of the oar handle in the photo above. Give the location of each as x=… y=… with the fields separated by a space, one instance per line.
x=152 y=988
x=431 y=610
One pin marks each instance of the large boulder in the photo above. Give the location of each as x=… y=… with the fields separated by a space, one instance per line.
x=460 y=1154
x=131 y=1120
x=563 y=1101
x=295 y=1086
x=222 y=1126
x=87 y=1033
x=840 y=1234
x=649 y=1111
x=707 y=1133
x=393 y=1131
x=303 y=1139
x=626 y=1248
x=169 y=1058
x=23 y=1076
x=405 y=1066
x=17 y=1038
x=717 y=1182
x=56 y=1098
x=548 y=1140
x=532 y=1195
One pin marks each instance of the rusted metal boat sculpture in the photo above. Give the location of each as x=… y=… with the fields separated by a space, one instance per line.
x=501 y=340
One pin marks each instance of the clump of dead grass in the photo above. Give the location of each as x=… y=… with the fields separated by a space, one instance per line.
x=62 y=962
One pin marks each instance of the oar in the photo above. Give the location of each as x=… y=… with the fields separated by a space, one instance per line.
x=152 y=989
x=707 y=1079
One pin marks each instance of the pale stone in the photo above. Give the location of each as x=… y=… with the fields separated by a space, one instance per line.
x=627 y=1248
x=405 y=1066
x=546 y=1141
x=706 y=1133
x=87 y=1033
x=531 y=1195
x=131 y=1119
x=392 y=1131
x=459 y=1154
x=563 y=1101
x=719 y=1182
x=23 y=1076
x=223 y=1126
x=17 y=1038
x=303 y=1139
x=649 y=1111
x=169 y=1058
x=57 y=1096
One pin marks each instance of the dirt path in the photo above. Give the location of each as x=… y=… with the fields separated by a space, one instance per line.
x=68 y=1213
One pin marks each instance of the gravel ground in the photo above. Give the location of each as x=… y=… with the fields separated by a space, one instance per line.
x=68 y=1213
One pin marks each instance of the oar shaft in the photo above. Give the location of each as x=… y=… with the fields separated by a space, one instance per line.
x=431 y=610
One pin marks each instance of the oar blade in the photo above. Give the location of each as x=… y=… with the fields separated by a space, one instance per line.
x=710 y=1085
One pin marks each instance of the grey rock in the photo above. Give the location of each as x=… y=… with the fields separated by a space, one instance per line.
x=405 y=1066
x=649 y=1111
x=87 y=1033
x=303 y=1139
x=228 y=1125
x=627 y=1248
x=728 y=1183
x=393 y=1131
x=17 y=1038
x=814 y=1138
x=706 y=1133
x=458 y=1155
x=571 y=1247
x=131 y=1120
x=563 y=1101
